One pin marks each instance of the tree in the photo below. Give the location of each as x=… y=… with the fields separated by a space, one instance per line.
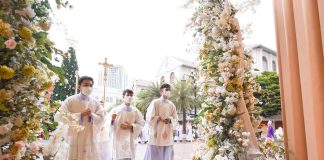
x=182 y=97
x=146 y=96
x=63 y=90
x=269 y=95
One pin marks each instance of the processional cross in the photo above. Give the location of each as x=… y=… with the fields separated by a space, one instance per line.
x=106 y=65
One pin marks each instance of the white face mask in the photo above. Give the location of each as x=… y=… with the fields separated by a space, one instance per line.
x=128 y=99
x=86 y=90
x=167 y=93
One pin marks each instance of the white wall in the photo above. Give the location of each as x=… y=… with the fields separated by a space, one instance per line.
x=257 y=55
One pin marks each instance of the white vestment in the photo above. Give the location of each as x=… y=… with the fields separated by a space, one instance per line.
x=189 y=133
x=83 y=144
x=161 y=134
x=144 y=134
x=179 y=133
x=123 y=140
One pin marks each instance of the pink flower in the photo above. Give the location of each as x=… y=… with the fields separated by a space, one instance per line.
x=34 y=148
x=20 y=144
x=6 y=156
x=11 y=44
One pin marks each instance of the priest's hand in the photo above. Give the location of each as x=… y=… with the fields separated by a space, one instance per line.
x=167 y=120
x=87 y=112
x=126 y=125
x=113 y=116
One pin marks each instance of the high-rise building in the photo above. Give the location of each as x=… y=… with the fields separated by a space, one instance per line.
x=117 y=81
x=117 y=78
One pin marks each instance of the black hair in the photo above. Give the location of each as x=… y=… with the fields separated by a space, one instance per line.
x=165 y=85
x=83 y=78
x=128 y=91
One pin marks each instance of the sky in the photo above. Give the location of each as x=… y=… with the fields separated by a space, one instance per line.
x=139 y=34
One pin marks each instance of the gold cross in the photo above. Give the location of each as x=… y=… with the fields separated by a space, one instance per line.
x=106 y=65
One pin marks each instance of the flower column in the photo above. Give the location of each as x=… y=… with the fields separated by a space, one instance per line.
x=226 y=83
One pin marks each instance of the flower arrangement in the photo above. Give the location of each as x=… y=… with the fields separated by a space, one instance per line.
x=226 y=82
x=273 y=149
x=26 y=73
x=56 y=148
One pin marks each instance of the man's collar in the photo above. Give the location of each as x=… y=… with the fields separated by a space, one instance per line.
x=84 y=97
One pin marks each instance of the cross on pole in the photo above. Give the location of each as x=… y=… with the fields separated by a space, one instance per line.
x=106 y=65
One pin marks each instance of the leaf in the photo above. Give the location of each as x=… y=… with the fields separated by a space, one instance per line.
x=3 y=108
x=46 y=61
x=45 y=130
x=40 y=35
x=2 y=43
x=56 y=70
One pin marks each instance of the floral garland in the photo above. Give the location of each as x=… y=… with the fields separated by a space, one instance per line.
x=273 y=149
x=57 y=147
x=26 y=73
x=221 y=81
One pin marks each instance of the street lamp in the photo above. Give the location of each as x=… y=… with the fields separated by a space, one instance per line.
x=76 y=81
x=192 y=75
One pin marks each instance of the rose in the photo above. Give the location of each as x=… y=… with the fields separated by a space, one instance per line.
x=34 y=148
x=11 y=44
x=29 y=12
x=6 y=156
x=19 y=144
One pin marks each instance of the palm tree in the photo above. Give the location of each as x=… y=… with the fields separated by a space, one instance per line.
x=182 y=97
x=146 y=96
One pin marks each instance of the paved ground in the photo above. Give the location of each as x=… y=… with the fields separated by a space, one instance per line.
x=182 y=151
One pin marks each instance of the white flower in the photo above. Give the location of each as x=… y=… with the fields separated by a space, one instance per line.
x=231 y=110
x=218 y=157
x=279 y=133
x=246 y=143
x=219 y=128
x=246 y=134
x=220 y=90
x=28 y=11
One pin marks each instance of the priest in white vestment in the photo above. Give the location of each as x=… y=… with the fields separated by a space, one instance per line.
x=161 y=118
x=83 y=144
x=189 y=136
x=179 y=134
x=126 y=125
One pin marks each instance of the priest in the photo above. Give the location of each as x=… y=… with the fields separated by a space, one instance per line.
x=126 y=125
x=161 y=118
x=83 y=144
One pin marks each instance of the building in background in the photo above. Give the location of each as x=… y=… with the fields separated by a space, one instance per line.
x=173 y=68
x=117 y=82
x=264 y=58
x=140 y=84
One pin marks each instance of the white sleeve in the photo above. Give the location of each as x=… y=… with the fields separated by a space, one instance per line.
x=151 y=115
x=138 y=125
x=174 y=116
x=65 y=109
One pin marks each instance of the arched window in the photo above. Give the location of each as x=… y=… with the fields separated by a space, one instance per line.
x=264 y=64
x=162 y=80
x=274 y=66
x=172 y=77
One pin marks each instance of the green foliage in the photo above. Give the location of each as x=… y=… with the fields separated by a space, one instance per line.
x=182 y=97
x=63 y=90
x=146 y=96
x=269 y=95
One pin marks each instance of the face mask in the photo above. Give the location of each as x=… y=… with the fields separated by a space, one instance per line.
x=128 y=99
x=86 y=90
x=167 y=93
